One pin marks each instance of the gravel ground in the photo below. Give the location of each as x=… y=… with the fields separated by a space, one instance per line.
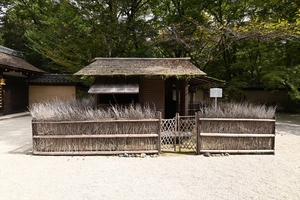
x=24 y=176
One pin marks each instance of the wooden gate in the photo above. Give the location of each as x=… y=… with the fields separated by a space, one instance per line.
x=179 y=134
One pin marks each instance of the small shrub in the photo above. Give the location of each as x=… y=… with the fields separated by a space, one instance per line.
x=80 y=110
x=238 y=110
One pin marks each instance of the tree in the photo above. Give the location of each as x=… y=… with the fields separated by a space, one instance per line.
x=14 y=24
x=245 y=42
x=255 y=44
x=72 y=33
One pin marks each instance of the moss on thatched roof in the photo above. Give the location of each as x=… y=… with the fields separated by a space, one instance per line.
x=141 y=67
x=13 y=60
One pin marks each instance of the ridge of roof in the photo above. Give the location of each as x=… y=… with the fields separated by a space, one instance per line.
x=11 y=52
x=134 y=58
x=53 y=79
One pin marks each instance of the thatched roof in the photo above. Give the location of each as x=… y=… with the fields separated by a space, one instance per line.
x=141 y=67
x=13 y=60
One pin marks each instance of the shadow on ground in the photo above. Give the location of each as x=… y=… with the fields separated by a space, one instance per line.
x=25 y=150
x=287 y=123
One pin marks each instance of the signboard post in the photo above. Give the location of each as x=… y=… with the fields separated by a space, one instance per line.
x=215 y=92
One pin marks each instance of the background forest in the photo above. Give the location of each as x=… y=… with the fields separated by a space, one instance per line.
x=247 y=43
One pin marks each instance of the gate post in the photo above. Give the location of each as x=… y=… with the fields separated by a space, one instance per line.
x=159 y=133
x=176 y=130
x=34 y=133
x=197 y=123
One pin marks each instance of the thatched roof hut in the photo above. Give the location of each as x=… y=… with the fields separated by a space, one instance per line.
x=145 y=80
x=14 y=72
x=11 y=60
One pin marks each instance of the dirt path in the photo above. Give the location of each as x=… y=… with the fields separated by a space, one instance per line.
x=24 y=176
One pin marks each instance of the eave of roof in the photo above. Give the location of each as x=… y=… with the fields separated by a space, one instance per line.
x=115 y=85
x=11 y=62
x=205 y=80
x=179 y=67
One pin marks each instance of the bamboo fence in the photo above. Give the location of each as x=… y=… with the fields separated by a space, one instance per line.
x=96 y=137
x=236 y=135
x=118 y=136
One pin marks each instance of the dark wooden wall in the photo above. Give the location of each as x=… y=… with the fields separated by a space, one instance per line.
x=152 y=91
x=1 y=100
x=14 y=95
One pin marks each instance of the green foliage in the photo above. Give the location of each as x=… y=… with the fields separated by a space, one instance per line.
x=246 y=43
x=60 y=36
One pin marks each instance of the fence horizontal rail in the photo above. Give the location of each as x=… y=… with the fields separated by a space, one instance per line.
x=96 y=136
x=68 y=153
x=98 y=121
x=237 y=151
x=237 y=119
x=235 y=135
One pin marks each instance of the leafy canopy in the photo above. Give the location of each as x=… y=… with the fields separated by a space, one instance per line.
x=245 y=42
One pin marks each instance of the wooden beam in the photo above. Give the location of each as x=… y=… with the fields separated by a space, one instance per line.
x=237 y=119
x=235 y=135
x=238 y=151
x=79 y=153
x=94 y=136
x=98 y=121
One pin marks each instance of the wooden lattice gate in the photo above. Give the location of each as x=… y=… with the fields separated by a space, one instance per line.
x=179 y=134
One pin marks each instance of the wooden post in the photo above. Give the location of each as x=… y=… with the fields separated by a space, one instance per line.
x=197 y=123
x=184 y=97
x=274 y=132
x=96 y=100
x=179 y=134
x=34 y=133
x=159 y=133
x=176 y=130
x=177 y=97
x=199 y=134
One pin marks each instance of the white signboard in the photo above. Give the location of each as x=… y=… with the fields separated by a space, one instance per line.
x=215 y=92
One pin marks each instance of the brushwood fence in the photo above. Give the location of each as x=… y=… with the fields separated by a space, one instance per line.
x=96 y=137
x=226 y=135
x=180 y=134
